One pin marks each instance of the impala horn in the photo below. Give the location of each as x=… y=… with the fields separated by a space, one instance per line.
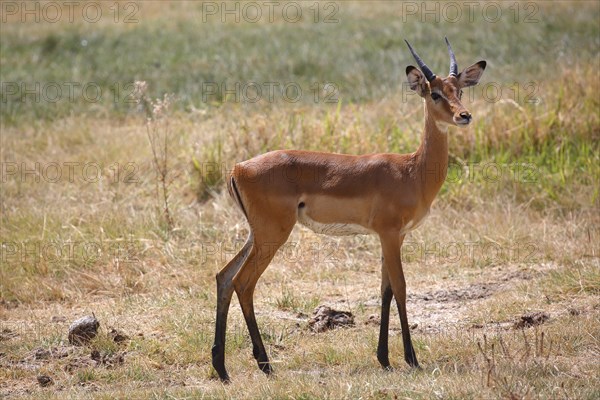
x=453 y=65
x=422 y=66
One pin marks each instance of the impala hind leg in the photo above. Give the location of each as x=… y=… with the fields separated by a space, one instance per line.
x=391 y=244
x=224 y=293
x=244 y=284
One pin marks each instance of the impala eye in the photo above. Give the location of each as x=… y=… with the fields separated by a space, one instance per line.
x=435 y=96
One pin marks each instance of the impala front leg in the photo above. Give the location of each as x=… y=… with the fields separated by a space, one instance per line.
x=386 y=301
x=391 y=243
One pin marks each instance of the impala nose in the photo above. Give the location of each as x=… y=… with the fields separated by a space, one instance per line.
x=463 y=118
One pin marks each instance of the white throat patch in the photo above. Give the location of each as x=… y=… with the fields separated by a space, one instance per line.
x=442 y=126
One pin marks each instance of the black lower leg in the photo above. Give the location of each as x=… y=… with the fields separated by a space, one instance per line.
x=263 y=361
x=382 y=346
x=224 y=293
x=258 y=349
x=218 y=348
x=409 y=352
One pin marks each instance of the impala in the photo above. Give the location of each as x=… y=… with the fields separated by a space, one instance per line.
x=382 y=194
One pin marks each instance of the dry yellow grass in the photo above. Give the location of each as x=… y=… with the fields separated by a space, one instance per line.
x=473 y=270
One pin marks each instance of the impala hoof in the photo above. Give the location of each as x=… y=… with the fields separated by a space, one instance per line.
x=385 y=362
x=265 y=367
x=416 y=366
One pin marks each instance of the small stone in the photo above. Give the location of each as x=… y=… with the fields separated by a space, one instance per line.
x=117 y=336
x=83 y=330
x=96 y=356
x=325 y=318
x=44 y=380
x=41 y=354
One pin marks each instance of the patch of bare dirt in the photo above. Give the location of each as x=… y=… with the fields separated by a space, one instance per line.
x=474 y=291
x=471 y=292
x=438 y=309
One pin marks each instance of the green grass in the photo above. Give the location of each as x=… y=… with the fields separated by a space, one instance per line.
x=185 y=54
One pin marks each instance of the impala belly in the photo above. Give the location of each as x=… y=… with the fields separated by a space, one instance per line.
x=330 y=216
x=332 y=229
x=414 y=223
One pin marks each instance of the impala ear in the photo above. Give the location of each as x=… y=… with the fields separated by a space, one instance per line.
x=470 y=76
x=416 y=80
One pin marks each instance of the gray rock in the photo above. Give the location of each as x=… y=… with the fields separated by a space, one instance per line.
x=325 y=318
x=83 y=330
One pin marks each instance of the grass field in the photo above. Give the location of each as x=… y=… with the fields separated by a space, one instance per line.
x=515 y=230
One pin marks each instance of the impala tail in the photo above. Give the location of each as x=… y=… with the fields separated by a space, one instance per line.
x=235 y=194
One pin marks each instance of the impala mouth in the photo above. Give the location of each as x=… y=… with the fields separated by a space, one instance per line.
x=463 y=121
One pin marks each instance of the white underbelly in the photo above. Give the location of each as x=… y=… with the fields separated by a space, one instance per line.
x=333 y=229
x=413 y=224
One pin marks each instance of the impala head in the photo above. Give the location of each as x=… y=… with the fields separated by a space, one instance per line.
x=442 y=95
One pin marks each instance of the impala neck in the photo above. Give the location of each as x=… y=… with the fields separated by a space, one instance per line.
x=432 y=156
